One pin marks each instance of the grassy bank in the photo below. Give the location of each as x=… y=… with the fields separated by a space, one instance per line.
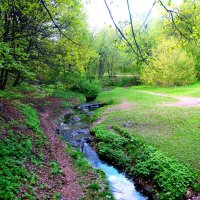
x=92 y=180
x=131 y=154
x=173 y=131
x=24 y=163
x=29 y=166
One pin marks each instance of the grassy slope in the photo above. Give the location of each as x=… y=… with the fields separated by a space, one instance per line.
x=29 y=168
x=174 y=130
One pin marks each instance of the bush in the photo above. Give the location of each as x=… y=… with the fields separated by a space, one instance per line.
x=89 y=89
x=170 y=66
x=171 y=177
x=122 y=81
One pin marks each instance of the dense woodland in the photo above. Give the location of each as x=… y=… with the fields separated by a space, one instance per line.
x=50 y=42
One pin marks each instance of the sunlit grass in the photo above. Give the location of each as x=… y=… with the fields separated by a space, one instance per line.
x=188 y=90
x=174 y=130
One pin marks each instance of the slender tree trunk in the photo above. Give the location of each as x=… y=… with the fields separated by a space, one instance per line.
x=2 y=77
x=4 y=80
x=17 y=79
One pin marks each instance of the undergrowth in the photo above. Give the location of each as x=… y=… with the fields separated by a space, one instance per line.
x=14 y=150
x=132 y=155
x=20 y=148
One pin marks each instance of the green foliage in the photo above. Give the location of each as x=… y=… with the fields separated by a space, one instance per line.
x=171 y=178
x=89 y=89
x=110 y=57
x=32 y=118
x=66 y=94
x=170 y=66
x=94 y=186
x=122 y=81
x=56 y=196
x=22 y=44
x=14 y=151
x=10 y=95
x=55 y=168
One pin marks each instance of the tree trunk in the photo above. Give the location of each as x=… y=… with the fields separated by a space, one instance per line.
x=4 y=79
x=17 y=79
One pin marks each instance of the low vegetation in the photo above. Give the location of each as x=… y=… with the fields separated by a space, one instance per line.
x=132 y=155
x=22 y=151
x=29 y=168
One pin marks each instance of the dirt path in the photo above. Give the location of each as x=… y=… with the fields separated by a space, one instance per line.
x=71 y=189
x=125 y=105
x=182 y=101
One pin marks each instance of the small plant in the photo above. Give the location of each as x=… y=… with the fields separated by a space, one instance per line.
x=94 y=186
x=56 y=196
x=55 y=168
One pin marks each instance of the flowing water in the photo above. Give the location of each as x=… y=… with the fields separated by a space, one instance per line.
x=77 y=133
x=121 y=187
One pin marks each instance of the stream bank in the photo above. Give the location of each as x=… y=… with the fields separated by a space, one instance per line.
x=76 y=130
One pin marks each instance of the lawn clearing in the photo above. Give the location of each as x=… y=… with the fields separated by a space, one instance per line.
x=173 y=130
x=188 y=90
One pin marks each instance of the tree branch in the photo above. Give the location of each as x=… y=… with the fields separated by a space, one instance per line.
x=170 y=12
x=61 y=32
x=132 y=29
x=146 y=17
x=119 y=30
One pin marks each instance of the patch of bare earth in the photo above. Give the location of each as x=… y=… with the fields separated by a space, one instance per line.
x=182 y=101
x=71 y=190
x=125 y=105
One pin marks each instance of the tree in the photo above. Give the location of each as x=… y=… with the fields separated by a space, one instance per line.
x=170 y=65
x=42 y=39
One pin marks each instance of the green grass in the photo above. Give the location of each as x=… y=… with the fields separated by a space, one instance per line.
x=40 y=91
x=188 y=90
x=173 y=130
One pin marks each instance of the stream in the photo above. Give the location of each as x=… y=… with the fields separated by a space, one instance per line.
x=76 y=130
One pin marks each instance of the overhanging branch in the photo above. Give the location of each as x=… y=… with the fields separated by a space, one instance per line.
x=119 y=30
x=51 y=17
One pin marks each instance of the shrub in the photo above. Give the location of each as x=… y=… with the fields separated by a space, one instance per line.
x=171 y=177
x=122 y=81
x=170 y=66
x=89 y=89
